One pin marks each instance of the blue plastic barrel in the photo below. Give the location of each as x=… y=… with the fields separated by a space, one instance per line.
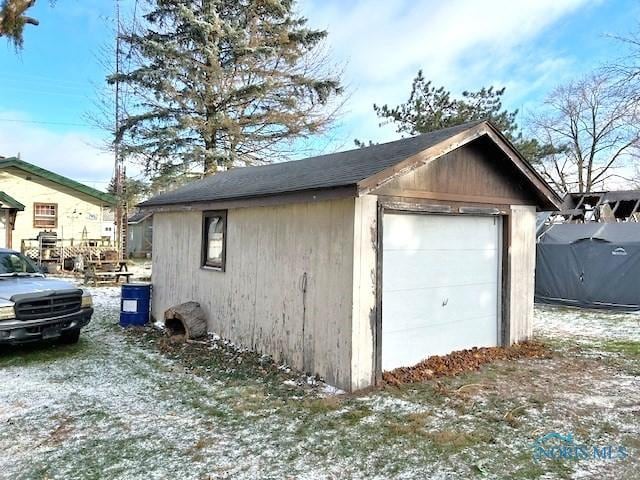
x=134 y=304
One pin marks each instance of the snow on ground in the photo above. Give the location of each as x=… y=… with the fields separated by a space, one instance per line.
x=105 y=409
x=141 y=269
x=115 y=407
x=558 y=321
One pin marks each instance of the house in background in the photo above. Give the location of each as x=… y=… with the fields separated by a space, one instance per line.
x=354 y=263
x=140 y=235
x=108 y=225
x=36 y=200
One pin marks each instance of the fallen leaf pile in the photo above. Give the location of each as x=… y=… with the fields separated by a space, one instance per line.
x=462 y=361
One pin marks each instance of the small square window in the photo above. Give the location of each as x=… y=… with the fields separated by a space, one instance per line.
x=214 y=242
x=45 y=215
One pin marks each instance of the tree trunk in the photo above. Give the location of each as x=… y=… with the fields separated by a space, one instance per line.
x=209 y=157
x=580 y=177
x=186 y=319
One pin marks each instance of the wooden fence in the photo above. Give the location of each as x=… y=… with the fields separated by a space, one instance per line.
x=66 y=248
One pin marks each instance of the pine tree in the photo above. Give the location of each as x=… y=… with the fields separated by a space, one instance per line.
x=136 y=190
x=429 y=108
x=219 y=83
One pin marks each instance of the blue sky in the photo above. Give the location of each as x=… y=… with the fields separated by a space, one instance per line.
x=48 y=91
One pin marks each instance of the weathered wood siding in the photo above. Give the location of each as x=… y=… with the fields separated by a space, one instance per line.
x=329 y=327
x=522 y=263
x=478 y=172
x=363 y=359
x=259 y=302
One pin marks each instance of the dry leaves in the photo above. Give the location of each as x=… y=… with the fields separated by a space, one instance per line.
x=462 y=361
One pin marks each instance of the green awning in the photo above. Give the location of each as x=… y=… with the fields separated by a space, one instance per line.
x=9 y=202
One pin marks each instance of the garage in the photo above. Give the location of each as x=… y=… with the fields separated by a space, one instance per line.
x=441 y=285
x=354 y=263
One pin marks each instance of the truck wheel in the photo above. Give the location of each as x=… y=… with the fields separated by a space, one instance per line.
x=70 y=337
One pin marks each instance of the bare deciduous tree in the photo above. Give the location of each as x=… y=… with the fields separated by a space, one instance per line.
x=593 y=125
x=627 y=67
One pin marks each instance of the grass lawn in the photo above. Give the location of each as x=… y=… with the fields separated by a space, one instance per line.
x=133 y=406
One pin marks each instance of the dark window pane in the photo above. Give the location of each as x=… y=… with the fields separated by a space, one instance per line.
x=15 y=263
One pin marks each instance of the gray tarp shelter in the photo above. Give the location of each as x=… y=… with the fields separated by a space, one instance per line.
x=592 y=265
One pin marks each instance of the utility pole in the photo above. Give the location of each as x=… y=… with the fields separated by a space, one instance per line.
x=120 y=218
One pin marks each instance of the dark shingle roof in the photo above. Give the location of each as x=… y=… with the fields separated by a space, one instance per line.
x=138 y=216
x=325 y=171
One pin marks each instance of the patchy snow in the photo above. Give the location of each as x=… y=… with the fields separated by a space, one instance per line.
x=141 y=269
x=556 y=321
x=385 y=403
x=327 y=389
x=113 y=407
x=106 y=297
x=323 y=389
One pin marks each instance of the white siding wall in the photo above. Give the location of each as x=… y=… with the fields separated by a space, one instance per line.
x=14 y=183
x=4 y=225
x=522 y=257
x=258 y=302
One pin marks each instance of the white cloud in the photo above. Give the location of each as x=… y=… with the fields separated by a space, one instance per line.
x=461 y=44
x=72 y=154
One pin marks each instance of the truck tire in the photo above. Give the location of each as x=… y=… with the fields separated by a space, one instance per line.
x=70 y=337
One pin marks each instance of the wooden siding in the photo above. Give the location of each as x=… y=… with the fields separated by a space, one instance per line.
x=363 y=361
x=522 y=263
x=260 y=300
x=301 y=278
x=478 y=172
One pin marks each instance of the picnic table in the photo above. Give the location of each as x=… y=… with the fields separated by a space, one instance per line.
x=106 y=271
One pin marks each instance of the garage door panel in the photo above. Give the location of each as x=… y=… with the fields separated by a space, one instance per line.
x=437 y=307
x=400 y=353
x=425 y=268
x=441 y=283
x=441 y=232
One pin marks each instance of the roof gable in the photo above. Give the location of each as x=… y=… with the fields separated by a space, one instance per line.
x=8 y=201
x=138 y=217
x=477 y=172
x=538 y=189
x=55 y=178
x=365 y=169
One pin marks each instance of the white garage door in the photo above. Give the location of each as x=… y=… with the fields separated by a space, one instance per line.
x=440 y=285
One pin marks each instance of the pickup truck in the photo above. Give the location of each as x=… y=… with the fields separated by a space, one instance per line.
x=34 y=308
